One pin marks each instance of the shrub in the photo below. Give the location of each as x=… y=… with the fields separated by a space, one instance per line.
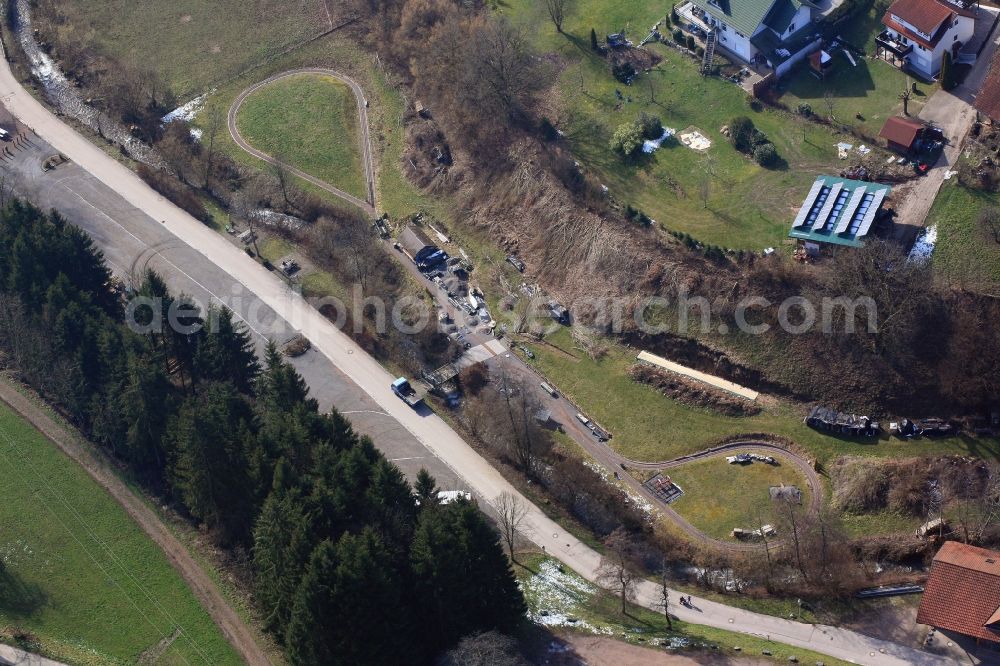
x=678 y=36
x=757 y=138
x=700 y=51
x=623 y=71
x=741 y=131
x=651 y=126
x=690 y=42
x=673 y=14
x=765 y=154
x=175 y=191
x=804 y=110
x=627 y=139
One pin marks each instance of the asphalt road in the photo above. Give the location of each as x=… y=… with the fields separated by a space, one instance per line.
x=115 y=193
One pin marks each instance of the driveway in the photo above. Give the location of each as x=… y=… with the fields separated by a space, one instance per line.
x=952 y=111
x=127 y=195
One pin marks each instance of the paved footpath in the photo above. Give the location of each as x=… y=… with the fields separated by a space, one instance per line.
x=433 y=432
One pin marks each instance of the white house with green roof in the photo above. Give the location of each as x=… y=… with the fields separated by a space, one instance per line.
x=773 y=33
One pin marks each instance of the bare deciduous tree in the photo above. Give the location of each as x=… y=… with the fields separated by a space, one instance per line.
x=213 y=126
x=510 y=514
x=618 y=571
x=989 y=219
x=557 y=12
x=664 y=600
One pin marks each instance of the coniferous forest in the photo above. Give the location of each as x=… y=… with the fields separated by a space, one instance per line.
x=351 y=565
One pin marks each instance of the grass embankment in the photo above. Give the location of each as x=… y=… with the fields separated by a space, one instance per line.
x=194 y=44
x=571 y=603
x=748 y=206
x=649 y=426
x=80 y=575
x=719 y=496
x=966 y=255
x=311 y=122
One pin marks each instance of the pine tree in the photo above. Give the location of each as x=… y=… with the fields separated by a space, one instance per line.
x=282 y=544
x=426 y=488
x=209 y=468
x=593 y=40
x=947 y=72
x=226 y=352
x=461 y=576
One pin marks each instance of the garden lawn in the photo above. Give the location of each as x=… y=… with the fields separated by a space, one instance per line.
x=79 y=574
x=871 y=89
x=646 y=425
x=311 y=122
x=570 y=603
x=719 y=496
x=966 y=254
x=748 y=206
x=195 y=45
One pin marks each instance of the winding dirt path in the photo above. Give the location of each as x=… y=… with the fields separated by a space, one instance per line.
x=750 y=446
x=365 y=139
x=236 y=631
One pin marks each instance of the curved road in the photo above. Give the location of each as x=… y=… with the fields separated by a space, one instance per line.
x=432 y=431
x=365 y=139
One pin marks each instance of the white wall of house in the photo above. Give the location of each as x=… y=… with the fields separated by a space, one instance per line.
x=928 y=62
x=732 y=40
x=802 y=17
x=786 y=66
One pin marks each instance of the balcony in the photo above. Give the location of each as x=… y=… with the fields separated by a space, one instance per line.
x=890 y=42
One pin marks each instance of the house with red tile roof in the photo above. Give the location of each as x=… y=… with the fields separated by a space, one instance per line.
x=918 y=32
x=962 y=594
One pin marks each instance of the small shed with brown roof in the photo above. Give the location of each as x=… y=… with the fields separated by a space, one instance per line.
x=901 y=133
x=963 y=592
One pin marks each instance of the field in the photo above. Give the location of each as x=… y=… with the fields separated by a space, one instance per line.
x=570 y=603
x=719 y=496
x=649 y=426
x=311 y=122
x=748 y=206
x=195 y=45
x=965 y=255
x=80 y=575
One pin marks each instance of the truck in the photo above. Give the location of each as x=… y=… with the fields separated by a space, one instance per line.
x=411 y=396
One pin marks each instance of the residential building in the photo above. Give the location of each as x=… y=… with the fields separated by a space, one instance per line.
x=772 y=33
x=919 y=32
x=962 y=594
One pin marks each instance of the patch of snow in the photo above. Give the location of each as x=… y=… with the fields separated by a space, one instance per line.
x=449 y=496
x=186 y=112
x=923 y=248
x=651 y=145
x=273 y=218
x=196 y=133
